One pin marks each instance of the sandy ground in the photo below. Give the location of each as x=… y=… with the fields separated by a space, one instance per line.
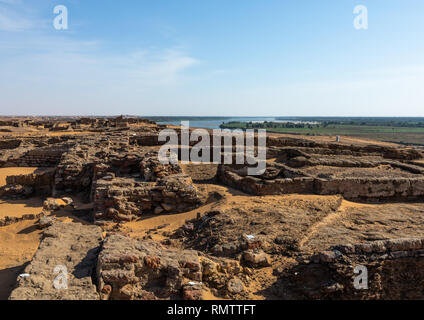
x=160 y=227
x=358 y=223
x=18 y=244
x=307 y=218
x=155 y=226
x=18 y=208
x=19 y=241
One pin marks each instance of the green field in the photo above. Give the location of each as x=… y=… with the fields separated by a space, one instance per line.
x=413 y=135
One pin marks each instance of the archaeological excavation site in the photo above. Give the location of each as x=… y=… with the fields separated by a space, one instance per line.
x=88 y=212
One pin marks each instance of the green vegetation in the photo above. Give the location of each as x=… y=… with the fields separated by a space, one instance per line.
x=399 y=130
x=177 y=119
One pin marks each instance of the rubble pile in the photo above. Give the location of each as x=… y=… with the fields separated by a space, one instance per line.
x=368 y=173
x=117 y=224
x=68 y=249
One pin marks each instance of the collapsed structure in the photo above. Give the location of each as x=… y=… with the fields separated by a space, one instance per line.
x=366 y=173
x=112 y=165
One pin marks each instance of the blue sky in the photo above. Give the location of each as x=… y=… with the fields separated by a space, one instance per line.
x=212 y=58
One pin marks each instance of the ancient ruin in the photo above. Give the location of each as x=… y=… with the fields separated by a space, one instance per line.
x=90 y=195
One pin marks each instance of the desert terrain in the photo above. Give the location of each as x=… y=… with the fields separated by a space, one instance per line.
x=90 y=194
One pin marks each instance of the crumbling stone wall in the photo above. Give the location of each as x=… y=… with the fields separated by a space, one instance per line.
x=372 y=189
x=257 y=186
x=15 y=191
x=40 y=157
x=39 y=183
x=11 y=123
x=125 y=199
x=130 y=269
x=293 y=159
x=298 y=162
x=73 y=173
x=72 y=245
x=369 y=189
x=10 y=143
x=394 y=267
x=336 y=148
x=43 y=178
x=146 y=139
x=7 y=220
x=152 y=170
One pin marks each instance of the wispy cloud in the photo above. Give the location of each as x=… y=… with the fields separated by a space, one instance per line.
x=39 y=49
x=43 y=63
x=19 y=16
x=11 y=1
x=11 y=20
x=86 y=61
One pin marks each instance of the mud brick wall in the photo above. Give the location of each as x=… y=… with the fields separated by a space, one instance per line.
x=39 y=179
x=15 y=191
x=147 y=139
x=408 y=167
x=112 y=199
x=315 y=161
x=79 y=169
x=152 y=139
x=41 y=183
x=395 y=271
x=11 y=124
x=372 y=189
x=43 y=157
x=10 y=144
x=387 y=152
x=75 y=171
x=152 y=170
x=286 y=186
x=316 y=151
x=73 y=177
x=366 y=189
x=257 y=186
x=130 y=269
x=7 y=220
x=125 y=199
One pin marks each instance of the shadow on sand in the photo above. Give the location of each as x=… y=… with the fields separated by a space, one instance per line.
x=8 y=280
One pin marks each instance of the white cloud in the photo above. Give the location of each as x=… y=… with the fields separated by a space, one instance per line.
x=10 y=20
x=61 y=75
x=11 y=1
x=15 y=16
x=58 y=73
